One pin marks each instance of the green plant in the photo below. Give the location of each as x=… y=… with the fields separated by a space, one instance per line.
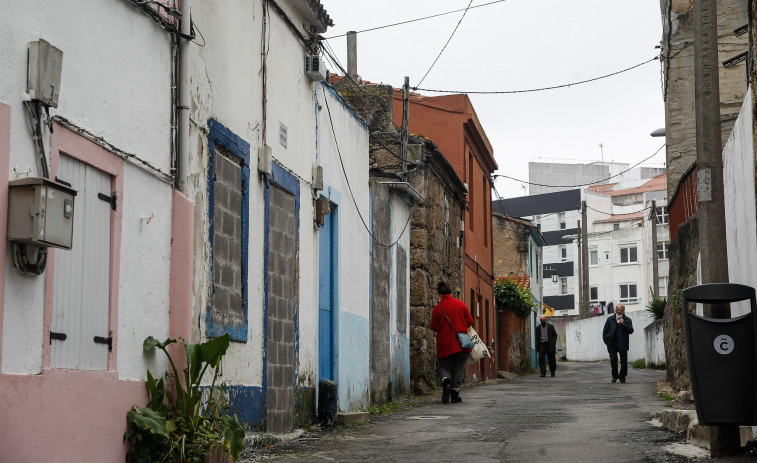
x=666 y=397
x=509 y=294
x=657 y=308
x=640 y=363
x=177 y=426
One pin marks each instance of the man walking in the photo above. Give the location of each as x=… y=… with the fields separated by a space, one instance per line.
x=615 y=335
x=546 y=341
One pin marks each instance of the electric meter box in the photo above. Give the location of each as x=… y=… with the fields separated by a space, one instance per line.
x=44 y=71
x=41 y=212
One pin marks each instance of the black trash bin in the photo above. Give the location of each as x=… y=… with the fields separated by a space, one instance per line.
x=722 y=355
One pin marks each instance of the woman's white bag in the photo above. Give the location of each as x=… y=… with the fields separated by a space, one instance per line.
x=479 y=348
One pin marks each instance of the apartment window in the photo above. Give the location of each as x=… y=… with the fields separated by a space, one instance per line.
x=662 y=215
x=593 y=257
x=593 y=294
x=616 y=226
x=561 y=219
x=563 y=253
x=607 y=255
x=563 y=285
x=628 y=292
x=662 y=286
x=628 y=254
x=662 y=250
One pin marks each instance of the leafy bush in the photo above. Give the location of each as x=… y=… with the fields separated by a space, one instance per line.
x=509 y=294
x=657 y=308
x=175 y=427
x=640 y=363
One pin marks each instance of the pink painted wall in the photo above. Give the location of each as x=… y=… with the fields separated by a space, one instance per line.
x=65 y=416
x=80 y=415
x=5 y=152
x=182 y=239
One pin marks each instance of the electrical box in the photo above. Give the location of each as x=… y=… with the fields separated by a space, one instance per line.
x=41 y=212
x=265 y=160
x=318 y=178
x=314 y=68
x=43 y=73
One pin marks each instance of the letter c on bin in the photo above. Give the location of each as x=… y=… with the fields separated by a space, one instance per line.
x=724 y=344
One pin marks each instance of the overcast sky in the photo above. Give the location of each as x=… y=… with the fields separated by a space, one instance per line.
x=520 y=45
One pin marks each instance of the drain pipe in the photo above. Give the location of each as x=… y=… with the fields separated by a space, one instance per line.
x=182 y=157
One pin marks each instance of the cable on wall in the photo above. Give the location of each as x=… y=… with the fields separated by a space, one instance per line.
x=349 y=187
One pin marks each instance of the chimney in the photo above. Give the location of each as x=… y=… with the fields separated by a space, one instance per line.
x=352 y=55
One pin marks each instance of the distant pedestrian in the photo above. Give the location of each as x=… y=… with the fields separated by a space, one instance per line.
x=449 y=317
x=615 y=335
x=546 y=342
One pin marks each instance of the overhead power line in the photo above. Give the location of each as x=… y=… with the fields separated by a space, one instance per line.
x=418 y=19
x=598 y=182
x=541 y=89
x=445 y=45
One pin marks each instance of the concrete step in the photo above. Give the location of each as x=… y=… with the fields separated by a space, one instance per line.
x=686 y=422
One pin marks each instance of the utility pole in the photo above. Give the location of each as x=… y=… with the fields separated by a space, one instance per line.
x=724 y=440
x=580 y=273
x=655 y=257
x=405 y=116
x=584 y=310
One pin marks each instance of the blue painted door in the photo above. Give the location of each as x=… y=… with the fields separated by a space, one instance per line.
x=326 y=299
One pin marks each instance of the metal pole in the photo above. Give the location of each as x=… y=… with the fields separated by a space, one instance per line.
x=580 y=272
x=584 y=312
x=724 y=440
x=655 y=257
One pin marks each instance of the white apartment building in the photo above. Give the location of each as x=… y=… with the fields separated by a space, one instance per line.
x=621 y=253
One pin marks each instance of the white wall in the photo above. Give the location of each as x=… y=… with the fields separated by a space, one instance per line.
x=115 y=84
x=655 y=346
x=739 y=198
x=347 y=145
x=583 y=338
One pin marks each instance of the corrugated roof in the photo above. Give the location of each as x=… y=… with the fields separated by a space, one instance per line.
x=654 y=184
x=622 y=218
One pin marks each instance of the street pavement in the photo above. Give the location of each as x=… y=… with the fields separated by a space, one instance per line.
x=577 y=416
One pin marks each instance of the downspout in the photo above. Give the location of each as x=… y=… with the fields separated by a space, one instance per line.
x=182 y=158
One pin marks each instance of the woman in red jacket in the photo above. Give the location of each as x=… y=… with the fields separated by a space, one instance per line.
x=449 y=317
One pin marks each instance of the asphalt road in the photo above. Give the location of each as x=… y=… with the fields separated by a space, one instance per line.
x=577 y=416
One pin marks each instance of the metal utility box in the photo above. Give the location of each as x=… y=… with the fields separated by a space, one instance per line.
x=722 y=356
x=41 y=212
x=43 y=73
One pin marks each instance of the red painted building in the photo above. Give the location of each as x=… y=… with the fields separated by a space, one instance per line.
x=451 y=123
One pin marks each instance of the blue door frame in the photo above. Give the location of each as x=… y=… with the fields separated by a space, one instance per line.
x=326 y=300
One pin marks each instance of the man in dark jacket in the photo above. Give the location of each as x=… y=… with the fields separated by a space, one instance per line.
x=615 y=335
x=546 y=342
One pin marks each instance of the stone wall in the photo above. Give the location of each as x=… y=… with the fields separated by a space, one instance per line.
x=381 y=269
x=510 y=246
x=684 y=251
x=434 y=255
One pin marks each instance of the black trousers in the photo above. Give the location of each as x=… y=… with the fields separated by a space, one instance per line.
x=543 y=350
x=623 y=363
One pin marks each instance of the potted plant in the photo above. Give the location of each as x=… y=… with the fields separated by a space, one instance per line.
x=186 y=422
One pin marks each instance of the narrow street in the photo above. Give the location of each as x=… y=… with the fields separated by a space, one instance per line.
x=577 y=416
